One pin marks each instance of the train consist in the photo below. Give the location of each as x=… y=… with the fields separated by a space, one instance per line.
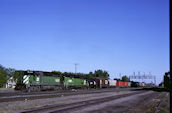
x=38 y=80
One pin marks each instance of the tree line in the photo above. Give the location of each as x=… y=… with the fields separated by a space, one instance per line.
x=97 y=73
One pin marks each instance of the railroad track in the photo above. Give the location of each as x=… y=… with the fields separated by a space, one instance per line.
x=5 y=94
x=8 y=94
x=58 y=108
x=49 y=95
x=160 y=103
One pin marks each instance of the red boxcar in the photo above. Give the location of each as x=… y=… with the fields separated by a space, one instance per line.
x=120 y=84
x=126 y=84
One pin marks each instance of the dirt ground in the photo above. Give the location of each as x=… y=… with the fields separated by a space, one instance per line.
x=13 y=107
x=140 y=103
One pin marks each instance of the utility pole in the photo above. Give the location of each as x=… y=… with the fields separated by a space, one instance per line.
x=75 y=67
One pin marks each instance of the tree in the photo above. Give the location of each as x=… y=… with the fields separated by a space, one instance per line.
x=125 y=79
x=18 y=76
x=89 y=75
x=58 y=72
x=100 y=73
x=3 y=76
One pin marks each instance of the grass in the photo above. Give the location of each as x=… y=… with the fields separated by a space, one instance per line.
x=164 y=108
x=164 y=105
x=162 y=111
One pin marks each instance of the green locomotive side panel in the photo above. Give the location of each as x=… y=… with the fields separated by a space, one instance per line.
x=41 y=80
x=31 y=79
x=75 y=82
x=34 y=80
x=50 y=80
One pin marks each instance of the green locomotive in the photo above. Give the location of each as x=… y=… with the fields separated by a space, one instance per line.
x=38 y=80
x=75 y=83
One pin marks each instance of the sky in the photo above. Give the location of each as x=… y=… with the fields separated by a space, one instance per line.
x=119 y=36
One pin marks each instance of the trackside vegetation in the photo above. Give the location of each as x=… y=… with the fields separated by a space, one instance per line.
x=5 y=74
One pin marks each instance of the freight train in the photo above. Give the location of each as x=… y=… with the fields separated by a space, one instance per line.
x=38 y=81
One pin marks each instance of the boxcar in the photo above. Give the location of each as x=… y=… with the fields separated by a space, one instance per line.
x=112 y=83
x=120 y=84
x=125 y=84
x=129 y=84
